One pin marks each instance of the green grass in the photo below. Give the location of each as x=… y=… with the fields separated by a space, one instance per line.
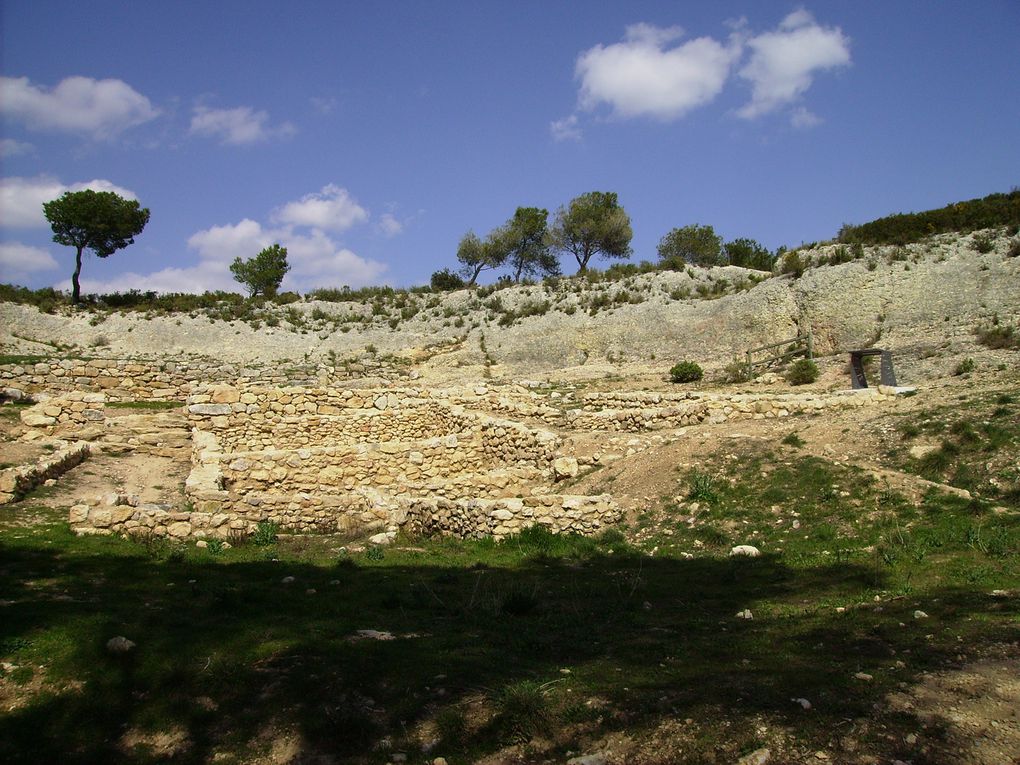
x=146 y=406
x=976 y=448
x=500 y=644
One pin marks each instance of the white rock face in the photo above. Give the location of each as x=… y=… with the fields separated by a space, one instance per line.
x=565 y=467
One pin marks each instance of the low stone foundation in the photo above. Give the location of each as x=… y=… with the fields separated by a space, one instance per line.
x=18 y=481
x=74 y=408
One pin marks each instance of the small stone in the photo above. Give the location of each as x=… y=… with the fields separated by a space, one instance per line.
x=745 y=614
x=565 y=467
x=749 y=551
x=287 y=580
x=588 y=759
x=911 y=739
x=439 y=761
x=804 y=703
x=201 y=544
x=119 y=645
x=758 y=757
x=864 y=676
x=920 y=615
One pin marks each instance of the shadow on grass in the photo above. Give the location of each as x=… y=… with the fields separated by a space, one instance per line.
x=231 y=657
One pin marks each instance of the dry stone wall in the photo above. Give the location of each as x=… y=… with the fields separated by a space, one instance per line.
x=18 y=481
x=327 y=459
x=151 y=380
x=73 y=408
x=647 y=411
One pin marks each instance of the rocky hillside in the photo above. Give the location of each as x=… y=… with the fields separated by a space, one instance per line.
x=919 y=300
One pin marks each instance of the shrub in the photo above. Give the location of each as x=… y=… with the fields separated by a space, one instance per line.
x=965 y=367
x=793 y=264
x=702 y=487
x=983 y=243
x=446 y=280
x=998 y=336
x=737 y=371
x=802 y=372
x=686 y=371
x=1014 y=249
x=265 y=533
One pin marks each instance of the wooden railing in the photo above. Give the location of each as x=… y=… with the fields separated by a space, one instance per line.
x=801 y=345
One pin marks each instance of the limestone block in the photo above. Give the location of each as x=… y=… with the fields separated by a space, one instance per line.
x=78 y=514
x=121 y=513
x=100 y=518
x=224 y=394
x=210 y=409
x=179 y=529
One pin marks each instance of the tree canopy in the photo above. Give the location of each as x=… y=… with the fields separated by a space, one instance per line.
x=528 y=252
x=99 y=221
x=748 y=253
x=264 y=273
x=695 y=245
x=592 y=224
x=476 y=255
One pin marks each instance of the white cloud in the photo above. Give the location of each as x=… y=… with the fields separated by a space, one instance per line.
x=11 y=148
x=804 y=118
x=389 y=225
x=784 y=62
x=21 y=199
x=238 y=126
x=100 y=108
x=566 y=129
x=331 y=209
x=640 y=77
x=18 y=261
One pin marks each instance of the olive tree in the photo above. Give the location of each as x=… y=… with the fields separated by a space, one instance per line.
x=264 y=273
x=592 y=224
x=100 y=221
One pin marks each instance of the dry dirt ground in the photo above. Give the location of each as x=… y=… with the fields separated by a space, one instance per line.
x=148 y=454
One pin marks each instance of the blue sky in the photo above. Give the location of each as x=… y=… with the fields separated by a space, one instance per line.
x=367 y=138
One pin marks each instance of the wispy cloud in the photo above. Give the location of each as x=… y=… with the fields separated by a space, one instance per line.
x=784 y=62
x=566 y=129
x=12 y=148
x=21 y=199
x=389 y=225
x=96 y=108
x=238 y=126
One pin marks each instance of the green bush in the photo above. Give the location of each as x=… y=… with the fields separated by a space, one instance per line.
x=445 y=280
x=965 y=367
x=265 y=533
x=802 y=372
x=983 y=243
x=686 y=371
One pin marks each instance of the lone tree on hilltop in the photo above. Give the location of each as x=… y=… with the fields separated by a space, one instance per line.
x=100 y=221
x=695 y=245
x=528 y=252
x=592 y=224
x=264 y=273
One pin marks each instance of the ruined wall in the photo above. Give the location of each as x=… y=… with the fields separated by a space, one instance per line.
x=145 y=380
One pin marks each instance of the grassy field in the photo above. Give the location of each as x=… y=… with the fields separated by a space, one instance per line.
x=531 y=650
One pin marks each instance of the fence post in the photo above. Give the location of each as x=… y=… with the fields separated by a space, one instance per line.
x=810 y=345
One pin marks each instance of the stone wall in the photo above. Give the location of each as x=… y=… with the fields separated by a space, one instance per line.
x=145 y=380
x=418 y=516
x=72 y=408
x=17 y=481
x=325 y=459
x=647 y=411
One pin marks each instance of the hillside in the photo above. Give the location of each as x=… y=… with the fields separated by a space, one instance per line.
x=921 y=300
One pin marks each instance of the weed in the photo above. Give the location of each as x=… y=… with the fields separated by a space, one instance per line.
x=792 y=439
x=965 y=367
x=701 y=487
x=265 y=533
